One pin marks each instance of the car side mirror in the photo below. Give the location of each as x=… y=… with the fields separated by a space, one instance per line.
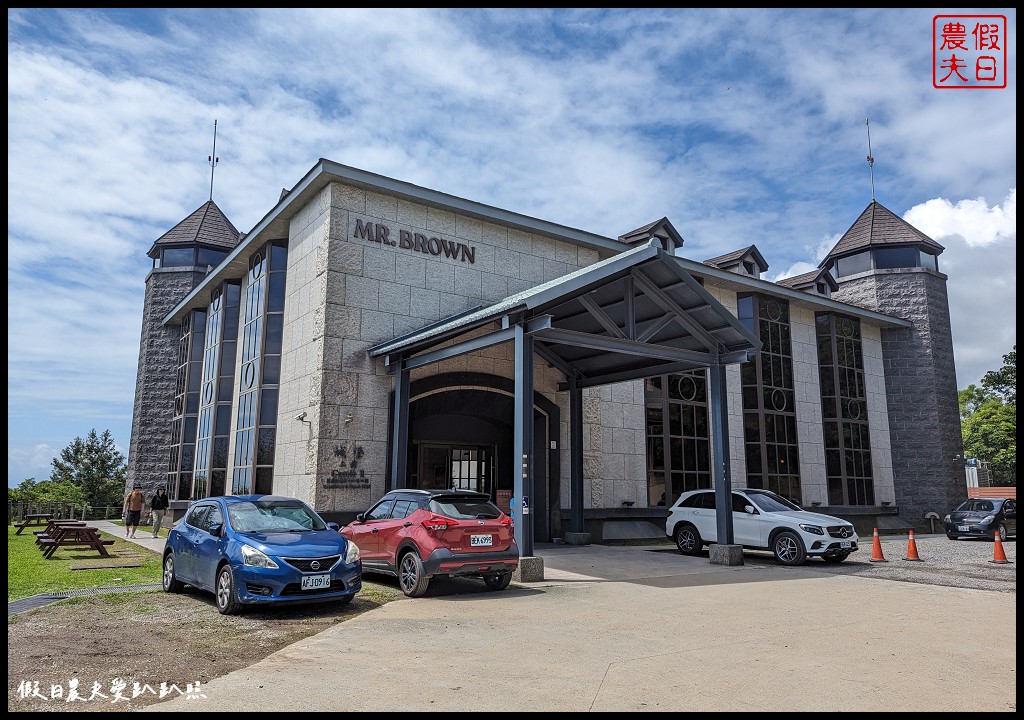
x=749 y=509
x=332 y=526
x=361 y=517
x=216 y=529
x=1011 y=514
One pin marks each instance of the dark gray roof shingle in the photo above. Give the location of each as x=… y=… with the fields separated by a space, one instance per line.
x=659 y=228
x=736 y=257
x=809 y=280
x=878 y=225
x=207 y=225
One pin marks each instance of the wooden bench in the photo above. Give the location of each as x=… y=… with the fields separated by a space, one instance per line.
x=33 y=520
x=74 y=536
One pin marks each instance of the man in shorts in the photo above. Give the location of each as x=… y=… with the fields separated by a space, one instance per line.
x=133 y=505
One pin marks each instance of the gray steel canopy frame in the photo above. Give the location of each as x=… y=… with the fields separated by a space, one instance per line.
x=635 y=315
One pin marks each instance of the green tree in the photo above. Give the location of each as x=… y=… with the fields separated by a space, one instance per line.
x=47 y=491
x=95 y=466
x=24 y=492
x=1003 y=382
x=973 y=397
x=988 y=418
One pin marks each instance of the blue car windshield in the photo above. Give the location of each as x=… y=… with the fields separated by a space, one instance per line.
x=273 y=516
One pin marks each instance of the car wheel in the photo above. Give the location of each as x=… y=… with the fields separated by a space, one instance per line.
x=688 y=540
x=171 y=583
x=835 y=559
x=789 y=548
x=411 y=576
x=952 y=537
x=1002 y=532
x=227 y=603
x=498 y=582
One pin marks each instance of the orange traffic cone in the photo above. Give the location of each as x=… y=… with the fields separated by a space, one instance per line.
x=1000 y=556
x=876 y=549
x=912 y=549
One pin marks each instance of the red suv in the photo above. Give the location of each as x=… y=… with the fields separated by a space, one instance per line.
x=415 y=535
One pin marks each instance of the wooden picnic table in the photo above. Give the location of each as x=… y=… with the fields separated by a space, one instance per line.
x=33 y=520
x=52 y=526
x=74 y=536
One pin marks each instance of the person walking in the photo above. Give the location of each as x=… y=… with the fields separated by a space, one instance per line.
x=158 y=504
x=133 y=505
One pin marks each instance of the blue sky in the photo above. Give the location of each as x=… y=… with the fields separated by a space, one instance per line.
x=741 y=126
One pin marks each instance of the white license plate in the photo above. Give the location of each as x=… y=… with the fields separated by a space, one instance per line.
x=316 y=582
x=963 y=528
x=481 y=540
x=845 y=544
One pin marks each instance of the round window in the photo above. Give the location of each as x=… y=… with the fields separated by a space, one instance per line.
x=778 y=400
x=854 y=410
x=687 y=388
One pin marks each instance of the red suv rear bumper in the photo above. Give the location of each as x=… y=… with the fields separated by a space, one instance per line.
x=445 y=562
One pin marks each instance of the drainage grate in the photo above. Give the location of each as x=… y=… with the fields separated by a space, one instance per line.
x=30 y=603
x=60 y=595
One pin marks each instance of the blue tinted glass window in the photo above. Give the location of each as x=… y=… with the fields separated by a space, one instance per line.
x=861 y=262
x=906 y=257
x=211 y=257
x=178 y=257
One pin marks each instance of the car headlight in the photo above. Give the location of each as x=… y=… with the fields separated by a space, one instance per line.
x=254 y=558
x=945 y=519
x=988 y=519
x=351 y=552
x=812 y=529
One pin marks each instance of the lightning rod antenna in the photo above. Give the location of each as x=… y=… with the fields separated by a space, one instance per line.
x=871 y=160
x=213 y=159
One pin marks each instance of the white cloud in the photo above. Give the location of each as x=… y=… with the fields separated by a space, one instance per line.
x=797 y=268
x=36 y=459
x=714 y=118
x=981 y=262
x=973 y=220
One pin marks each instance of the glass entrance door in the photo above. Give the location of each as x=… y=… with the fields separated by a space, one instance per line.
x=456 y=467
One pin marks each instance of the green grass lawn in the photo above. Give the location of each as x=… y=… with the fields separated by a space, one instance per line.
x=28 y=573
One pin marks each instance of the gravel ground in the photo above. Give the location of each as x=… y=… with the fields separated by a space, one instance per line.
x=954 y=563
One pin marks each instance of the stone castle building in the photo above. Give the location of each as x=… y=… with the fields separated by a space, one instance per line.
x=370 y=334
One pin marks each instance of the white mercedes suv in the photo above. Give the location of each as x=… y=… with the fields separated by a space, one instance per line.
x=762 y=520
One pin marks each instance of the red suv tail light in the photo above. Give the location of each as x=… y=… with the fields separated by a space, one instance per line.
x=506 y=520
x=437 y=522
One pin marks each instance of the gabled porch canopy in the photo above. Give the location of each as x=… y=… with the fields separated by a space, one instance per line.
x=635 y=315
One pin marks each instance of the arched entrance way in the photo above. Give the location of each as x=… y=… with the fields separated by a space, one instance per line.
x=634 y=315
x=461 y=435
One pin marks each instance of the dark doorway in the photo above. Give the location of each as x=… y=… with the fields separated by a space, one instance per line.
x=456 y=466
x=463 y=435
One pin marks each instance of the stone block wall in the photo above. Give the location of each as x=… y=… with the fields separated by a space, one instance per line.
x=347 y=292
x=157 y=370
x=807 y=390
x=920 y=385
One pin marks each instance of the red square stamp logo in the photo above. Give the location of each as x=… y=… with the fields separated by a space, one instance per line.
x=969 y=51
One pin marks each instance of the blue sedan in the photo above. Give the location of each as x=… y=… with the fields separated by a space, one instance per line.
x=260 y=550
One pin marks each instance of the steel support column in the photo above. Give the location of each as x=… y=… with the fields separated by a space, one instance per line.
x=576 y=455
x=400 y=429
x=523 y=441
x=720 y=449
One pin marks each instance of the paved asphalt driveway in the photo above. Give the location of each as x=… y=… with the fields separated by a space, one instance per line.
x=631 y=629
